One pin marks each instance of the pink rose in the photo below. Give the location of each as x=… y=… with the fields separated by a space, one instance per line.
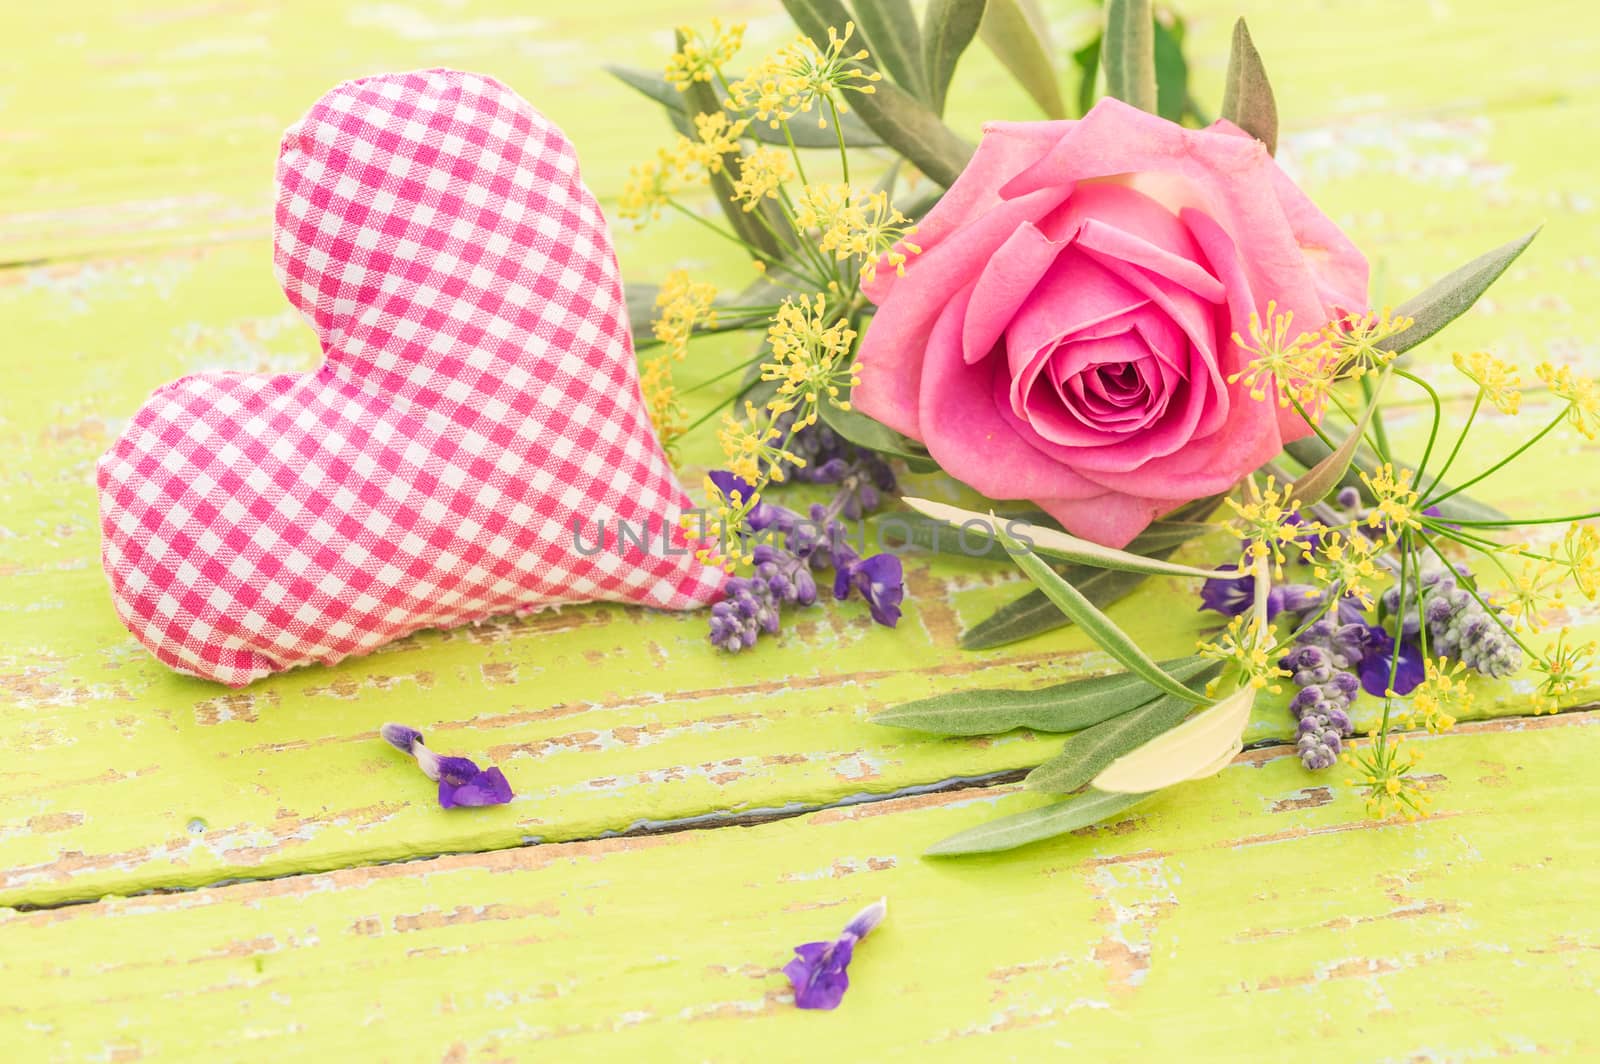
x=1065 y=336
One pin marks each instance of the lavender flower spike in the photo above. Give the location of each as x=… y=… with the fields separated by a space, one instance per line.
x=461 y=781
x=818 y=969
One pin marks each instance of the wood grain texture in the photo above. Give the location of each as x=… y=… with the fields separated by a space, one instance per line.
x=116 y=775
x=1257 y=909
x=1228 y=919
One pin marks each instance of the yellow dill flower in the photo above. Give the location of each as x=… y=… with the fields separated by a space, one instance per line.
x=1397 y=505
x=683 y=305
x=754 y=447
x=761 y=174
x=661 y=402
x=1346 y=562
x=1298 y=370
x=1579 y=550
x=1565 y=670
x=810 y=357
x=794 y=79
x=870 y=229
x=1537 y=587
x=1581 y=394
x=720 y=527
x=1499 y=381
x=1263 y=523
x=1388 y=781
x=699 y=57
x=1356 y=341
x=648 y=188
x=1251 y=648
x=716 y=136
x=1441 y=698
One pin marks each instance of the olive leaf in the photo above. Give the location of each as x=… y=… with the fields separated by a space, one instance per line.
x=909 y=528
x=1316 y=483
x=1062 y=546
x=863 y=431
x=1454 y=294
x=891 y=34
x=1034 y=825
x=1102 y=629
x=950 y=27
x=1084 y=755
x=1016 y=32
x=1247 y=99
x=1200 y=746
x=1034 y=614
x=1128 y=53
x=1064 y=707
x=1310 y=451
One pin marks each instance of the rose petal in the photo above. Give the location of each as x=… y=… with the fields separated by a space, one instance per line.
x=1009 y=278
x=1112 y=519
x=974 y=443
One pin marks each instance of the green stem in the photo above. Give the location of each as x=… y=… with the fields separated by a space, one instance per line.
x=1590 y=516
x=1472 y=416
x=1459 y=488
x=799 y=167
x=844 y=159
x=725 y=374
x=1380 y=436
x=1433 y=431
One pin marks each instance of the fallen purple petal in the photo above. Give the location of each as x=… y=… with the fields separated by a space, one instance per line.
x=461 y=781
x=817 y=972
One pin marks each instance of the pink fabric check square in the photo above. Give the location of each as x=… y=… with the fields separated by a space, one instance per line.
x=478 y=399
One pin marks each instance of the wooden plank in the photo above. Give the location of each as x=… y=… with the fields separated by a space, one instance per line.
x=1229 y=917
x=116 y=775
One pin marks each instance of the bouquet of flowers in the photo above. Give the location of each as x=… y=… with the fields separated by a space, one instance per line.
x=1124 y=333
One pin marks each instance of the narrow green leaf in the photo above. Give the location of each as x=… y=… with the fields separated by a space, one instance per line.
x=1059 y=545
x=912 y=129
x=909 y=528
x=1247 y=99
x=1035 y=825
x=1201 y=746
x=1087 y=59
x=1309 y=451
x=1033 y=613
x=1016 y=32
x=1453 y=294
x=1128 y=53
x=1316 y=483
x=890 y=33
x=1172 y=72
x=951 y=25
x=1063 y=707
x=863 y=431
x=806 y=134
x=815 y=16
x=1085 y=754
x=1102 y=629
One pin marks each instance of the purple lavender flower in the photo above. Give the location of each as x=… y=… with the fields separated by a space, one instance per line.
x=461 y=781
x=1232 y=596
x=1229 y=596
x=1379 y=663
x=818 y=969
x=880 y=581
x=1321 y=665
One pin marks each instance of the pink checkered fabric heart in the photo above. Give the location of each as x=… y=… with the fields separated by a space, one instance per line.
x=478 y=399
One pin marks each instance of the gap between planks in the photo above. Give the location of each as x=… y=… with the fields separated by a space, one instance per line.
x=1257 y=751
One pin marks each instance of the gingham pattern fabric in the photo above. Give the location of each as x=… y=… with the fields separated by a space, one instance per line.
x=478 y=398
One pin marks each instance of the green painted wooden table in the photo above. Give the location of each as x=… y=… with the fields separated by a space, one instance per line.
x=198 y=873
